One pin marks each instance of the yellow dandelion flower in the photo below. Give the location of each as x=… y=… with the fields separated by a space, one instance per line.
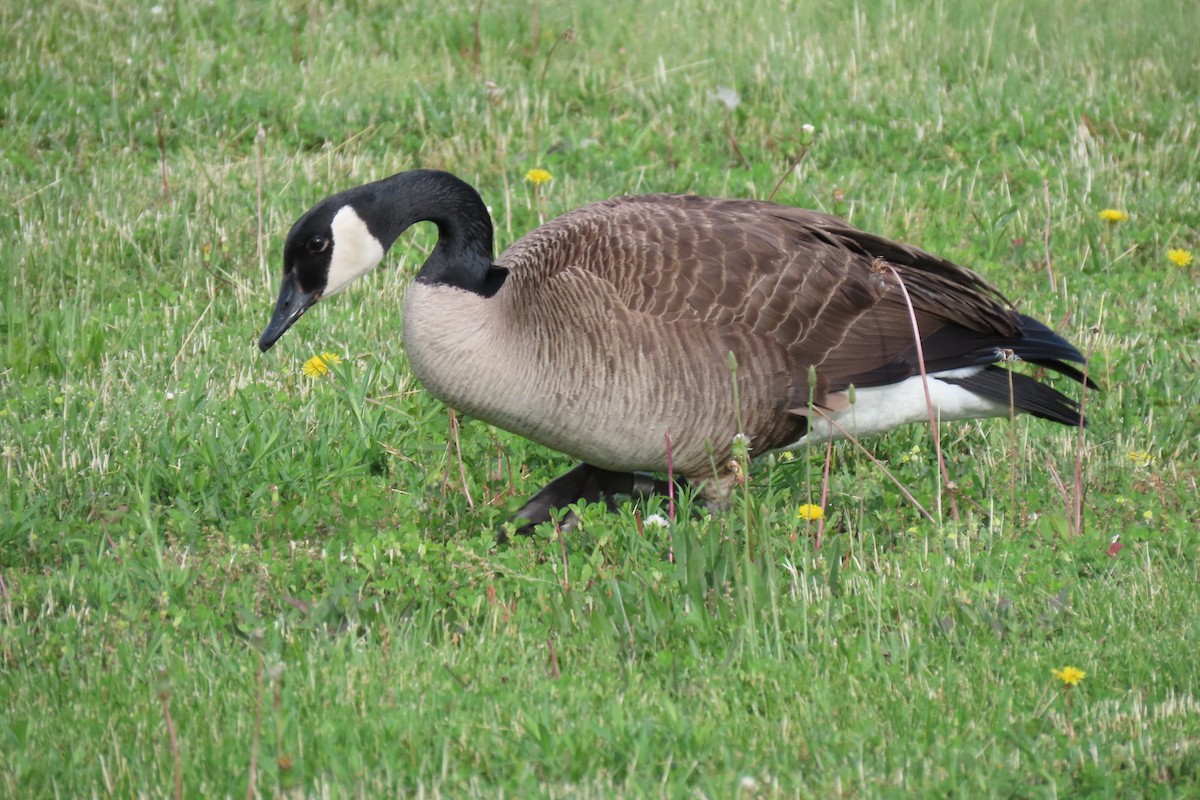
x=1070 y=676
x=1148 y=515
x=319 y=365
x=537 y=176
x=810 y=512
x=1180 y=257
x=1140 y=458
x=1114 y=215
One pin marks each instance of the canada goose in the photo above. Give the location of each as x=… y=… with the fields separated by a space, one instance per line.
x=619 y=327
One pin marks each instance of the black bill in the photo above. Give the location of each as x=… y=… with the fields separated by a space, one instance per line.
x=293 y=302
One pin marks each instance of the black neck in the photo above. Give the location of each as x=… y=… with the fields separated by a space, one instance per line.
x=463 y=255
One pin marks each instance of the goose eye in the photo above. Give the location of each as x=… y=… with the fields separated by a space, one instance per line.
x=317 y=244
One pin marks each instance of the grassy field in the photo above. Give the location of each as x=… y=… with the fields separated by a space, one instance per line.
x=219 y=572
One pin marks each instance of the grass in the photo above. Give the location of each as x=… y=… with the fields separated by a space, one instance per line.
x=218 y=571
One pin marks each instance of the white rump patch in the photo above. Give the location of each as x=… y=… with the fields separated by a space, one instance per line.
x=355 y=251
x=881 y=408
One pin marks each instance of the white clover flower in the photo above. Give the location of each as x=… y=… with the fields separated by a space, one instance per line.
x=726 y=96
x=655 y=521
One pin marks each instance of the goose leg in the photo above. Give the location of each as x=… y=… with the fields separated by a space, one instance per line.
x=586 y=482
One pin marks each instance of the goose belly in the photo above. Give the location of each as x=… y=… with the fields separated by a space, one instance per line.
x=576 y=385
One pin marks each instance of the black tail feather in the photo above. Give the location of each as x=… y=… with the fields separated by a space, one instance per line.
x=1042 y=346
x=1022 y=392
x=954 y=347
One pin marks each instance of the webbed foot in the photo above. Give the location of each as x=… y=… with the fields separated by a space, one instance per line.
x=589 y=483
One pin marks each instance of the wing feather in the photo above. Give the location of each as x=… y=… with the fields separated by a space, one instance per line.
x=797 y=288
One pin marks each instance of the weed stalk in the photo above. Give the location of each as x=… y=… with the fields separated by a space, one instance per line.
x=475 y=39
x=256 y=638
x=933 y=424
x=824 y=491
x=1077 y=487
x=164 y=697
x=539 y=105
x=562 y=551
x=1046 y=238
x=259 y=138
x=162 y=155
x=670 y=500
x=791 y=170
x=554 y=672
x=462 y=470
x=903 y=490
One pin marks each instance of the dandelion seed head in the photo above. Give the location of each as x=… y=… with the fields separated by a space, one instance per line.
x=726 y=96
x=494 y=92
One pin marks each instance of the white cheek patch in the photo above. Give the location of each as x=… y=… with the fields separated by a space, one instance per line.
x=355 y=251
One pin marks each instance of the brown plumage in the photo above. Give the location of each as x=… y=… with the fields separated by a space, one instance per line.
x=605 y=331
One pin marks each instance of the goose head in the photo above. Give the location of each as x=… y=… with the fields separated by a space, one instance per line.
x=327 y=249
x=346 y=236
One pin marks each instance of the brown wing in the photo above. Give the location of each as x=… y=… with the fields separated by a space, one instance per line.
x=806 y=283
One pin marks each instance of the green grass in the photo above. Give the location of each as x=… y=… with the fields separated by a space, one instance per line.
x=289 y=573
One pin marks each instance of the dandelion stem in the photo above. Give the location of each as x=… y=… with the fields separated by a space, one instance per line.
x=737 y=151
x=790 y=170
x=562 y=549
x=824 y=491
x=1070 y=724
x=553 y=658
x=670 y=479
